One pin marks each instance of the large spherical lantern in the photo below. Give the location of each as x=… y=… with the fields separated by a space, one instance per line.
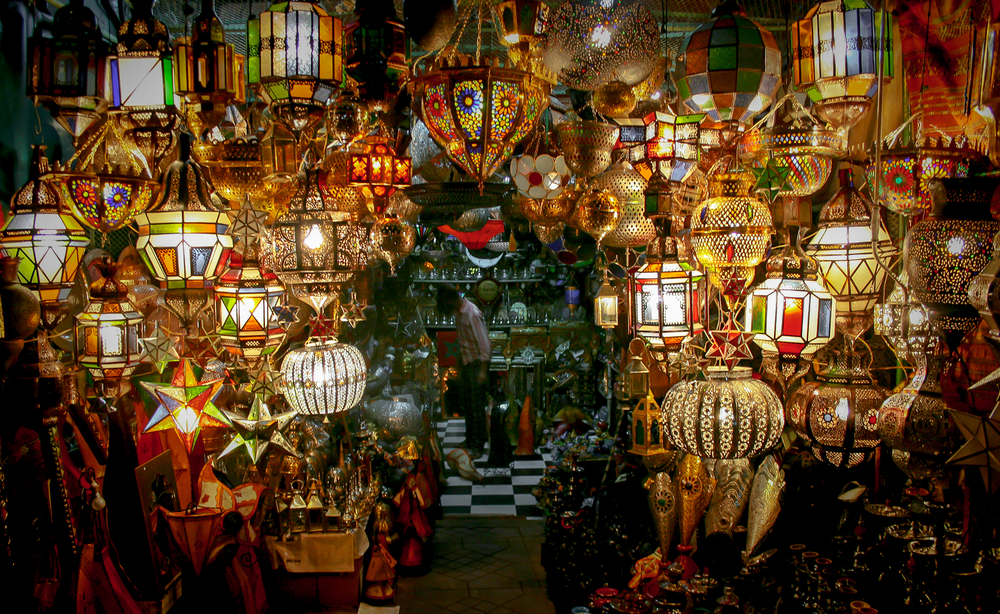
x=324 y=377
x=729 y=67
x=729 y=415
x=634 y=229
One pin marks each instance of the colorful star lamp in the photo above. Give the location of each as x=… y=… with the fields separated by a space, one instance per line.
x=376 y=169
x=324 y=377
x=835 y=54
x=49 y=242
x=478 y=109
x=295 y=51
x=728 y=68
x=245 y=299
x=260 y=433
x=107 y=331
x=67 y=71
x=185 y=405
x=668 y=298
x=182 y=238
x=208 y=73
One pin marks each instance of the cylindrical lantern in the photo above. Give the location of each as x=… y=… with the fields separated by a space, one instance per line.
x=246 y=298
x=729 y=415
x=668 y=299
x=323 y=378
x=107 y=331
x=634 y=229
x=49 y=242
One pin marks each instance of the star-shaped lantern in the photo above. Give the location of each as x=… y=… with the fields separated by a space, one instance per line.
x=247 y=224
x=264 y=382
x=160 y=348
x=288 y=314
x=982 y=446
x=729 y=345
x=771 y=179
x=186 y=405
x=260 y=432
x=352 y=313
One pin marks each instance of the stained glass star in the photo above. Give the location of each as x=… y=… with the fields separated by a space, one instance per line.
x=982 y=445
x=260 y=432
x=160 y=348
x=287 y=314
x=771 y=179
x=729 y=346
x=734 y=289
x=247 y=224
x=186 y=405
x=352 y=313
x=322 y=326
x=203 y=347
x=264 y=382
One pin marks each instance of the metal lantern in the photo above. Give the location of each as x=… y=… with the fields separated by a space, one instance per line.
x=843 y=249
x=376 y=51
x=393 y=240
x=235 y=169
x=729 y=67
x=670 y=147
x=521 y=22
x=182 y=238
x=396 y=418
x=838 y=413
x=67 y=71
x=729 y=415
x=245 y=299
x=478 y=109
x=635 y=374
x=295 y=51
x=634 y=229
x=902 y=322
x=647 y=435
x=835 y=53
x=606 y=306
x=541 y=177
x=597 y=213
x=984 y=291
x=807 y=151
x=668 y=299
x=323 y=378
x=587 y=146
x=377 y=170
x=208 y=73
x=107 y=331
x=48 y=241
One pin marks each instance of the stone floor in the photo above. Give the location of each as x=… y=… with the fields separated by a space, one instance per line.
x=480 y=564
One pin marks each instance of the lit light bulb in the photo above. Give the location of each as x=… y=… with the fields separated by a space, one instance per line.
x=843 y=408
x=186 y=420
x=916 y=317
x=600 y=36
x=314 y=238
x=956 y=245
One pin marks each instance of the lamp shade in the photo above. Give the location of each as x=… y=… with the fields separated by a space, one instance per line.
x=376 y=169
x=668 y=298
x=906 y=173
x=729 y=415
x=541 y=177
x=729 y=67
x=141 y=72
x=323 y=377
x=670 y=146
x=807 y=151
x=107 y=331
x=245 y=299
x=182 y=238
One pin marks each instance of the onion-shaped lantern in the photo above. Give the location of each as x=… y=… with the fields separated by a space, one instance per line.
x=634 y=229
x=729 y=415
x=48 y=241
x=668 y=299
x=835 y=54
x=597 y=213
x=729 y=67
x=478 y=109
x=807 y=151
x=324 y=377
x=246 y=298
x=902 y=322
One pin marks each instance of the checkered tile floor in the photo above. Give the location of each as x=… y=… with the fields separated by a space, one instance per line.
x=503 y=492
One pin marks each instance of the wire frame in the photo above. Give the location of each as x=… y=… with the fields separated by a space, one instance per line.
x=729 y=415
x=807 y=151
x=668 y=299
x=323 y=378
x=245 y=300
x=729 y=67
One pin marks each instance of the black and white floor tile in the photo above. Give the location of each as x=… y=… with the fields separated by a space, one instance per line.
x=505 y=491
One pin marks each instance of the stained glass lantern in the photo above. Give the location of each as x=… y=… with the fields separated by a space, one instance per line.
x=729 y=415
x=377 y=170
x=209 y=74
x=671 y=145
x=647 y=438
x=541 y=177
x=606 y=306
x=729 y=67
x=806 y=149
x=107 y=331
x=587 y=146
x=835 y=54
x=838 y=413
x=668 y=299
x=634 y=229
x=376 y=51
x=67 y=71
x=791 y=312
x=246 y=297
x=731 y=230
x=324 y=377
x=295 y=51
x=843 y=249
x=142 y=82
x=478 y=109
x=182 y=238
x=48 y=241
x=590 y=46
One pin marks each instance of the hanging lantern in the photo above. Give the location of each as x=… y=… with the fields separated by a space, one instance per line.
x=984 y=291
x=521 y=23
x=48 y=241
x=902 y=322
x=186 y=405
x=208 y=73
x=835 y=53
x=142 y=83
x=634 y=374
x=587 y=146
x=843 y=250
x=670 y=146
x=377 y=51
x=295 y=52
x=597 y=213
x=376 y=169
x=323 y=378
x=235 y=169
x=729 y=415
x=838 y=413
x=539 y=177
x=668 y=299
x=67 y=71
x=107 y=331
x=729 y=67
x=606 y=306
x=731 y=230
x=393 y=240
x=634 y=229
x=647 y=438
x=246 y=298
x=807 y=151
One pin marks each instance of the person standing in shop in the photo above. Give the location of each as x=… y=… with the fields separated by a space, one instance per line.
x=474 y=351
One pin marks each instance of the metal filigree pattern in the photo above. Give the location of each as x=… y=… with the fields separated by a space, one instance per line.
x=945 y=255
x=765 y=503
x=662 y=499
x=732 y=492
x=694 y=491
x=587 y=146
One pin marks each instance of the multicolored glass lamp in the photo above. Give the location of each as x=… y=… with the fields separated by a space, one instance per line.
x=208 y=73
x=668 y=299
x=377 y=170
x=67 y=71
x=48 y=240
x=246 y=298
x=107 y=332
x=295 y=51
x=835 y=53
x=670 y=152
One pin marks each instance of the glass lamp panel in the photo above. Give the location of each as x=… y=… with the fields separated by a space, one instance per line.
x=112 y=339
x=140 y=83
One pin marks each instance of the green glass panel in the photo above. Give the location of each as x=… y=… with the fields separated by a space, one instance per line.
x=723 y=36
x=759 y=313
x=722 y=58
x=750 y=36
x=747 y=81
